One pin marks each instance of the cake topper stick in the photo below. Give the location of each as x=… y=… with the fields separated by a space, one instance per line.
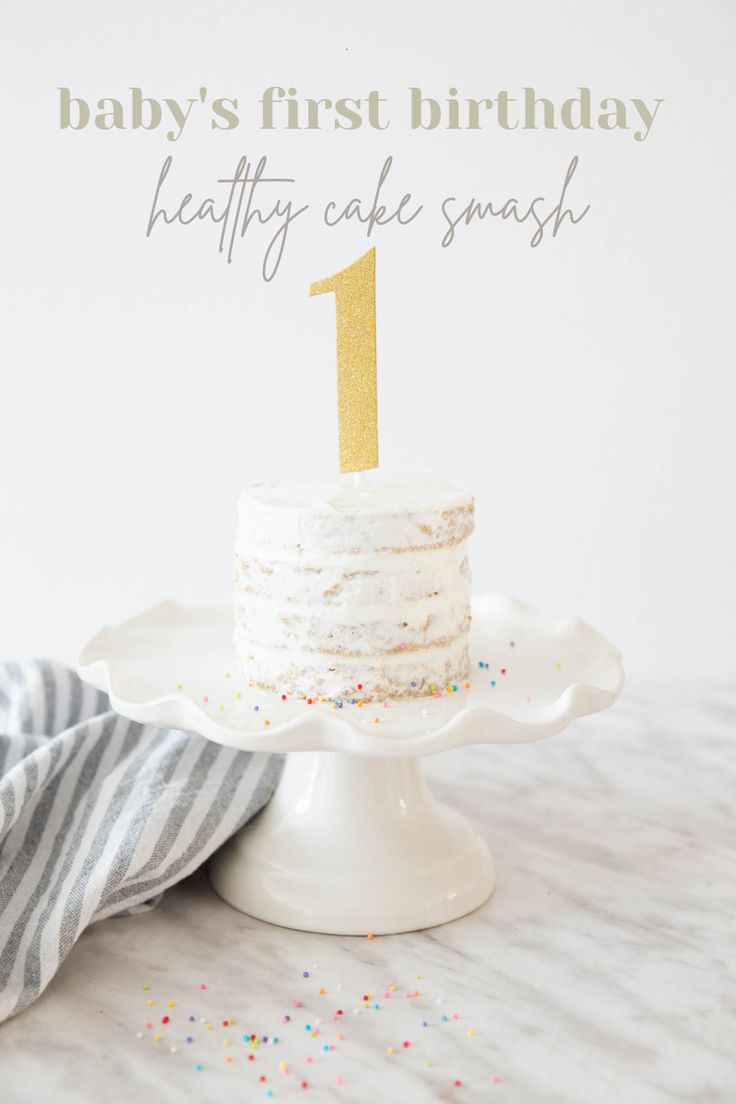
x=355 y=312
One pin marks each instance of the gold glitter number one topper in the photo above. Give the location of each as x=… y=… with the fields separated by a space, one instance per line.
x=355 y=313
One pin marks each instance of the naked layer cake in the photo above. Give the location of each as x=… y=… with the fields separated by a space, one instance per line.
x=352 y=588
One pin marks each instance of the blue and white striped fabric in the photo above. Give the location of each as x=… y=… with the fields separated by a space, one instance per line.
x=99 y=815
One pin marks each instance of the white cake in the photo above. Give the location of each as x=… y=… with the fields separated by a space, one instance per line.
x=353 y=588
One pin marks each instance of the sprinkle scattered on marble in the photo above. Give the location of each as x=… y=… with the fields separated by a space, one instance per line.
x=312 y=1026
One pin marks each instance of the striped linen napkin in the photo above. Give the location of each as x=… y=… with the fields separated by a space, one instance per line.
x=99 y=815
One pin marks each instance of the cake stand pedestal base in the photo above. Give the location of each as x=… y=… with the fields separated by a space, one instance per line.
x=350 y=845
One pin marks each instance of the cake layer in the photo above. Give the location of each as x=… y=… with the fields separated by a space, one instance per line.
x=364 y=630
x=348 y=678
x=364 y=580
x=348 y=588
x=379 y=513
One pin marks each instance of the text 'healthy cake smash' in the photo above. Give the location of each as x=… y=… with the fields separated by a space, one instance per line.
x=353 y=588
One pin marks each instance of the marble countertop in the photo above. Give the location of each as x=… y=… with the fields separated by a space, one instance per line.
x=600 y=970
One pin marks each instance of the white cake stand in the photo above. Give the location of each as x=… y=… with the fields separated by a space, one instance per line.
x=352 y=840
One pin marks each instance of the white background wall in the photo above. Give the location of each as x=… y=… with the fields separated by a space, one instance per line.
x=584 y=389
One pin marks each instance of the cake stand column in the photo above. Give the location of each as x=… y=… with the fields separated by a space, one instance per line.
x=350 y=845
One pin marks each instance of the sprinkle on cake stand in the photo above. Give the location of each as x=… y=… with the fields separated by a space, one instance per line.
x=353 y=841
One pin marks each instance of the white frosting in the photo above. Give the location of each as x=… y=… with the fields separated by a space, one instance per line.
x=341 y=582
